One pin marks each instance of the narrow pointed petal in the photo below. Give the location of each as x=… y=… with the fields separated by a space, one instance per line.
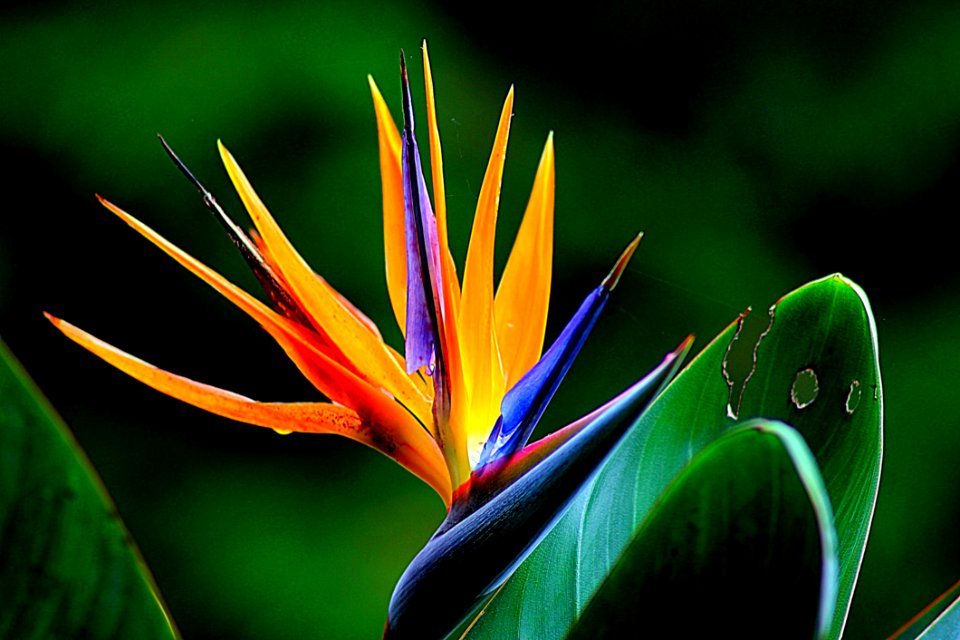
x=272 y=284
x=365 y=350
x=451 y=284
x=283 y=417
x=457 y=405
x=317 y=363
x=436 y=154
x=423 y=249
x=427 y=344
x=523 y=405
x=394 y=231
x=524 y=292
x=466 y=560
x=482 y=371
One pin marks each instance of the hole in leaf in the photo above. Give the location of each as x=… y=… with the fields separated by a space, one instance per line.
x=805 y=388
x=740 y=361
x=853 y=397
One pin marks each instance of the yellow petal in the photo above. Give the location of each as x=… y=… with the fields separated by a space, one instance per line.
x=524 y=292
x=424 y=461
x=315 y=359
x=436 y=156
x=394 y=238
x=451 y=285
x=451 y=430
x=364 y=349
x=481 y=361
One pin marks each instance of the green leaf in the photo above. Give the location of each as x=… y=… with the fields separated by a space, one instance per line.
x=939 y=619
x=68 y=567
x=825 y=326
x=741 y=542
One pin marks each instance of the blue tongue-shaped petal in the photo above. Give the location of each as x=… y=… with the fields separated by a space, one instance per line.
x=423 y=250
x=523 y=405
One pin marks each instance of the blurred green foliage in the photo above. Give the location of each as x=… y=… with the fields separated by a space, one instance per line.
x=758 y=145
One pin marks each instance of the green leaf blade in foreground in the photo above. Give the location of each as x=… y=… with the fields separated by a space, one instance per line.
x=68 y=567
x=825 y=326
x=741 y=541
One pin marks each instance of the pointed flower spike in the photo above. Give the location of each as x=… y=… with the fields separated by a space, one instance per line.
x=426 y=342
x=482 y=370
x=423 y=263
x=466 y=560
x=394 y=230
x=523 y=405
x=449 y=284
x=280 y=298
x=436 y=154
x=524 y=292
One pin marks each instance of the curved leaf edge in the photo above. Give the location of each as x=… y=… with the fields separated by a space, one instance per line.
x=42 y=406
x=807 y=472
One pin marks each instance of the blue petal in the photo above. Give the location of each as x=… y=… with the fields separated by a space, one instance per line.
x=523 y=405
x=423 y=250
x=466 y=560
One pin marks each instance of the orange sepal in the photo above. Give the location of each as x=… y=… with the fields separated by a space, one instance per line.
x=482 y=371
x=367 y=353
x=309 y=354
x=285 y=417
x=394 y=231
x=451 y=285
x=524 y=293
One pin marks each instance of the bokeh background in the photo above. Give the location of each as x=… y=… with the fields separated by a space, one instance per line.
x=759 y=145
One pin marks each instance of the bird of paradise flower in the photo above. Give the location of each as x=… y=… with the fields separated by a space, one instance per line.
x=459 y=405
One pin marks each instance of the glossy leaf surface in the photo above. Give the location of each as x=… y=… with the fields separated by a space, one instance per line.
x=741 y=541
x=68 y=567
x=825 y=326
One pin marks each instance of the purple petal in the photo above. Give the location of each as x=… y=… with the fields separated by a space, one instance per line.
x=523 y=405
x=423 y=250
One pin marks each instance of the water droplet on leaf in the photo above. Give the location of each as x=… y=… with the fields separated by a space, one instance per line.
x=282 y=432
x=805 y=388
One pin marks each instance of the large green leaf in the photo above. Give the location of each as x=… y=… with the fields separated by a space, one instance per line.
x=68 y=567
x=741 y=541
x=825 y=327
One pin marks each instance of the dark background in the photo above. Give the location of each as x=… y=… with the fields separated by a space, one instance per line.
x=759 y=145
